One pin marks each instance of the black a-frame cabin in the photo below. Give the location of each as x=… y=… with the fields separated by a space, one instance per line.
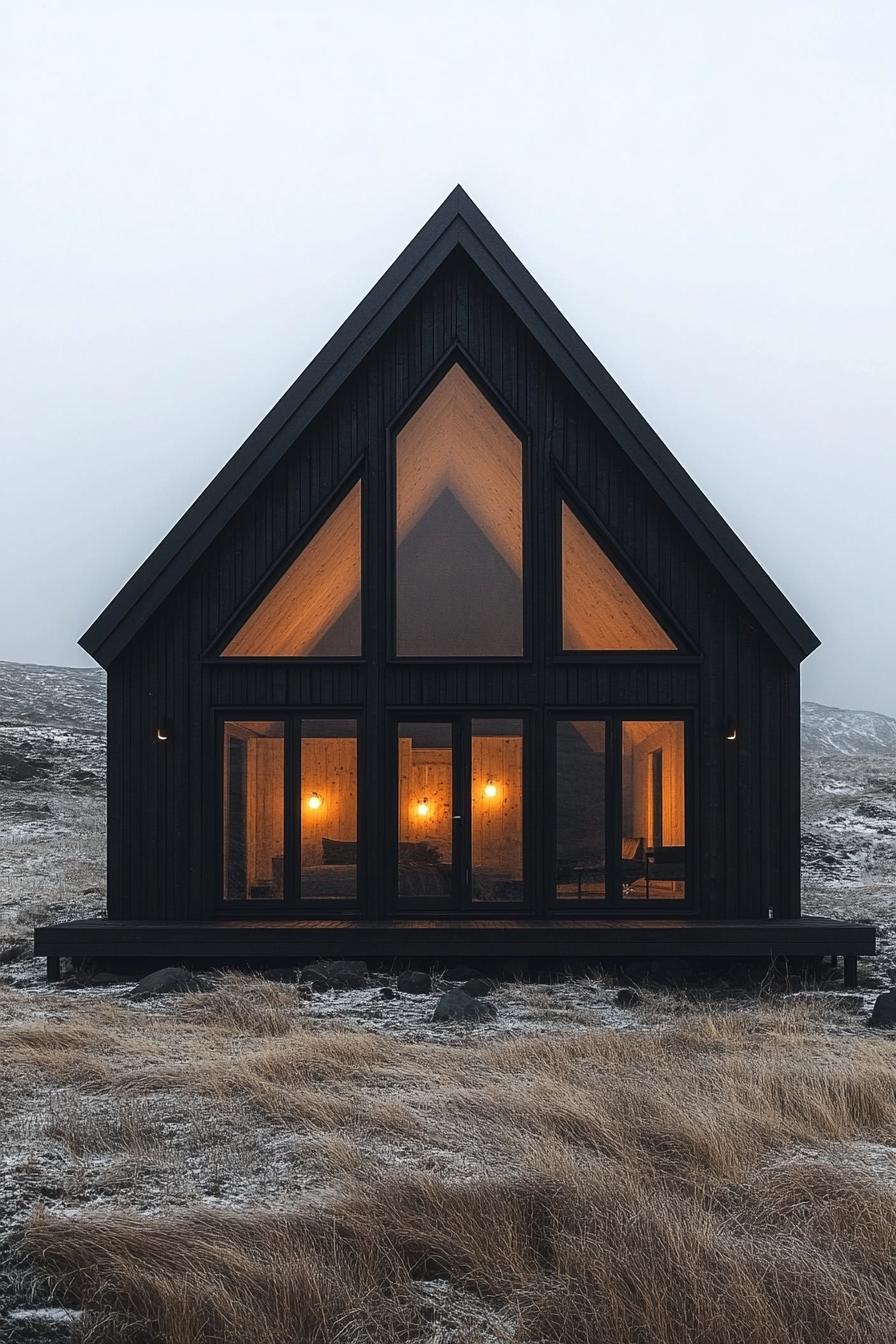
x=452 y=658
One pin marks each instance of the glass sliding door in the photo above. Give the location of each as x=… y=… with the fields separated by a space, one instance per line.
x=580 y=869
x=426 y=819
x=496 y=810
x=619 y=811
x=328 y=810
x=290 y=809
x=460 y=813
x=253 y=805
x=653 y=810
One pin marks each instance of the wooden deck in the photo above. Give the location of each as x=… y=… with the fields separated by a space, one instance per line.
x=286 y=938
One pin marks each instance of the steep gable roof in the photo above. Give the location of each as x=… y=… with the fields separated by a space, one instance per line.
x=457 y=223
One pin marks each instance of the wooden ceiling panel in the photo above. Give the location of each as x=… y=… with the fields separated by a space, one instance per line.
x=307 y=601
x=457 y=441
x=601 y=611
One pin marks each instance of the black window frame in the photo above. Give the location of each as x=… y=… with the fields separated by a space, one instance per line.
x=614 y=903
x=457 y=355
x=292 y=901
x=459 y=903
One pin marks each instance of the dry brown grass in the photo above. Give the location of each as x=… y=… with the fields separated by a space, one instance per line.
x=628 y=1187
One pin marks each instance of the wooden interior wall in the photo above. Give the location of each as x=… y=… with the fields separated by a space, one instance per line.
x=309 y=598
x=497 y=823
x=329 y=768
x=164 y=799
x=600 y=609
x=638 y=745
x=264 y=807
x=425 y=773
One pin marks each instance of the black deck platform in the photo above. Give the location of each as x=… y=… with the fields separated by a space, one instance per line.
x=285 y=938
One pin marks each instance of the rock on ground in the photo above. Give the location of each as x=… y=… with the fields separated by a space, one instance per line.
x=883 y=1014
x=324 y=975
x=456 y=1006
x=414 y=982
x=169 y=980
x=477 y=988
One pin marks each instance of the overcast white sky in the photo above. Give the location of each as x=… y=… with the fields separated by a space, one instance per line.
x=195 y=195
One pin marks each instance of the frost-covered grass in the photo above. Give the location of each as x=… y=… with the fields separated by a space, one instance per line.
x=231 y=1165
x=263 y=1163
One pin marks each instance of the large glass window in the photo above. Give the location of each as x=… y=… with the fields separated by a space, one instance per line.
x=601 y=611
x=653 y=810
x=458 y=528
x=253 y=811
x=581 y=862
x=496 y=809
x=425 y=809
x=328 y=801
x=314 y=608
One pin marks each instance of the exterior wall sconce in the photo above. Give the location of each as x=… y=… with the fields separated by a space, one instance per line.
x=315 y=801
x=731 y=731
x=491 y=788
x=423 y=807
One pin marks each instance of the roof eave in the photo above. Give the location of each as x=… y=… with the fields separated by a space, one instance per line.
x=457 y=222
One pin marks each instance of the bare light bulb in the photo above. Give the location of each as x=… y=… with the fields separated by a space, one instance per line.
x=423 y=807
x=315 y=800
x=491 y=788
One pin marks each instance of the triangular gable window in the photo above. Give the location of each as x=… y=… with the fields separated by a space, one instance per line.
x=458 y=527
x=601 y=611
x=314 y=608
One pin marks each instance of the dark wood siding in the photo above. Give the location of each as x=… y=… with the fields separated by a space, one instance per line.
x=163 y=796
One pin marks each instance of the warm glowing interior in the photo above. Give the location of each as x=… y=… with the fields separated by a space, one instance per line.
x=426 y=811
x=600 y=610
x=253 y=811
x=496 y=809
x=653 y=808
x=459 y=527
x=652 y=855
x=328 y=802
x=314 y=608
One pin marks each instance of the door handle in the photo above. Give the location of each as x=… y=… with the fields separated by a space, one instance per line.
x=458 y=818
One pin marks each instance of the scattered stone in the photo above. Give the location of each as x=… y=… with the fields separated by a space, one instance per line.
x=338 y=975
x=627 y=997
x=169 y=980
x=17 y=769
x=414 y=982
x=456 y=1006
x=883 y=1014
x=477 y=988
x=461 y=973
x=387 y=992
x=13 y=951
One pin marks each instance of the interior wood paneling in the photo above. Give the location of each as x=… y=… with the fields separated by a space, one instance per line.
x=600 y=609
x=330 y=769
x=321 y=587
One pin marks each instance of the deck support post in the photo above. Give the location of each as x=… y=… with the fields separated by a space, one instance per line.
x=834 y=961
x=851 y=972
x=52 y=969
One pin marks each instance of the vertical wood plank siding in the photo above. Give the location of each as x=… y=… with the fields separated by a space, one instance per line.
x=163 y=797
